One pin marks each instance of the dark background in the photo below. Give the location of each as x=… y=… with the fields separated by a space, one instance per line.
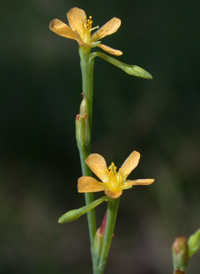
x=39 y=162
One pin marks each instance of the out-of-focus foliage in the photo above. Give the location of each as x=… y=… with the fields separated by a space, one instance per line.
x=39 y=99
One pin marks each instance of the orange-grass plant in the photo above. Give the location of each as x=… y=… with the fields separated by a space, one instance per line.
x=113 y=183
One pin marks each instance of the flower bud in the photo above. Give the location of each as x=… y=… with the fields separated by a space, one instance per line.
x=84 y=106
x=70 y=216
x=74 y=214
x=180 y=254
x=82 y=125
x=129 y=69
x=194 y=243
x=138 y=72
x=99 y=237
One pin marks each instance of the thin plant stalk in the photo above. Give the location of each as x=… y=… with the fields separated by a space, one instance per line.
x=87 y=68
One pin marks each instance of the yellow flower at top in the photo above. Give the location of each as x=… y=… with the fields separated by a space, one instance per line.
x=113 y=182
x=80 y=29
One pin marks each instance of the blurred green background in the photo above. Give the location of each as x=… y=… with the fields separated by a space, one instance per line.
x=39 y=163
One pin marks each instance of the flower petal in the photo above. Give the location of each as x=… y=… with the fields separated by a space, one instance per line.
x=113 y=195
x=77 y=20
x=110 y=50
x=61 y=29
x=98 y=165
x=130 y=164
x=79 y=39
x=109 y=28
x=138 y=182
x=89 y=184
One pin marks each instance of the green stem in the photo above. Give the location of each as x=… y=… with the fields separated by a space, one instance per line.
x=89 y=197
x=87 y=68
x=110 y=224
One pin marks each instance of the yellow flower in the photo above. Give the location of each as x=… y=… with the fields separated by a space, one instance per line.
x=80 y=28
x=113 y=182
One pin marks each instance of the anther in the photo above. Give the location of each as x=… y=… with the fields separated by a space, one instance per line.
x=89 y=23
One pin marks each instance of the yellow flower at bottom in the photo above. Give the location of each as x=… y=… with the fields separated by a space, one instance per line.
x=113 y=182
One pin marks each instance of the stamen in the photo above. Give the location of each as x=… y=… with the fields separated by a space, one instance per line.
x=97 y=27
x=112 y=169
x=115 y=180
x=89 y=23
